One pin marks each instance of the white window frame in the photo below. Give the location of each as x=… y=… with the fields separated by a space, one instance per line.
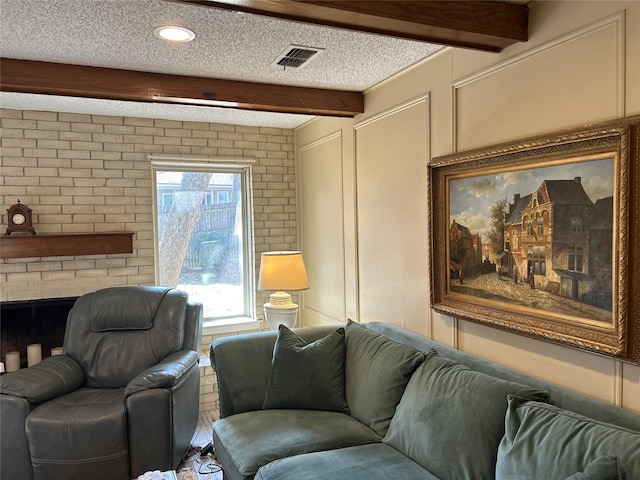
x=247 y=320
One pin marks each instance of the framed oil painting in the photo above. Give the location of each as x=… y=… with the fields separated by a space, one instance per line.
x=541 y=237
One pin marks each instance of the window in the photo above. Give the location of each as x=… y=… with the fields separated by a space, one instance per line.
x=529 y=223
x=222 y=197
x=578 y=259
x=167 y=199
x=540 y=222
x=536 y=256
x=539 y=260
x=576 y=224
x=575 y=258
x=203 y=247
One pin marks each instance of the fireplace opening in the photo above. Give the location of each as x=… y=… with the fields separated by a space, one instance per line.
x=27 y=322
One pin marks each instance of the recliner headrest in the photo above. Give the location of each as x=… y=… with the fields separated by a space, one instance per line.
x=109 y=312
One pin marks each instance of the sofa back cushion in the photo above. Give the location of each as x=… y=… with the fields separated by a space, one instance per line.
x=377 y=372
x=562 y=397
x=118 y=332
x=308 y=376
x=562 y=442
x=602 y=468
x=451 y=419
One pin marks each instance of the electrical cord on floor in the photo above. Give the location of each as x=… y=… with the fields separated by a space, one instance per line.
x=202 y=461
x=208 y=465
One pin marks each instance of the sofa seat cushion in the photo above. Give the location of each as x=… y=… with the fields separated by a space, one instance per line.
x=545 y=441
x=82 y=434
x=451 y=419
x=246 y=441
x=374 y=461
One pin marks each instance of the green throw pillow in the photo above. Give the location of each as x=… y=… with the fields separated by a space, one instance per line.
x=602 y=468
x=377 y=372
x=545 y=441
x=451 y=419
x=307 y=376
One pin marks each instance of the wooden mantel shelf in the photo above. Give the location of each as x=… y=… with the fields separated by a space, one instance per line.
x=65 y=244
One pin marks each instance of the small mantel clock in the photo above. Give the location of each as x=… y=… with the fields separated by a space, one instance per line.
x=19 y=219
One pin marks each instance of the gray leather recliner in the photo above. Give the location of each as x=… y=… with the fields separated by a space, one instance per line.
x=123 y=398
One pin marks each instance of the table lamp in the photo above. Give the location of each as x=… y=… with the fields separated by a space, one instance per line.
x=281 y=271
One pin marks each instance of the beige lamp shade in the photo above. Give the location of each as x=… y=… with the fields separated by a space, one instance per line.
x=282 y=271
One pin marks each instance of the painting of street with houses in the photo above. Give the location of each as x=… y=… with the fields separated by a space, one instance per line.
x=540 y=238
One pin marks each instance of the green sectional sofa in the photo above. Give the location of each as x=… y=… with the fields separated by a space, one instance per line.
x=373 y=401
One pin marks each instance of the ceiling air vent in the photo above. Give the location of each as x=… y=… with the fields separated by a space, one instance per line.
x=297 y=57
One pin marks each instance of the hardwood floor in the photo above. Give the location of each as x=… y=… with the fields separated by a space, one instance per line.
x=195 y=467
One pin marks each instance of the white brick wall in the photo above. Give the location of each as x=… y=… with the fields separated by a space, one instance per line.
x=89 y=173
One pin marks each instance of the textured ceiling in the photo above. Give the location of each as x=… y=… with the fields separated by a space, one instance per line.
x=228 y=45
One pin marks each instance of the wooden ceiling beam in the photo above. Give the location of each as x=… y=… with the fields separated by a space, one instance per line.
x=26 y=76
x=487 y=25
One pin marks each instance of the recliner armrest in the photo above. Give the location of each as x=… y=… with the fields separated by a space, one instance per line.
x=165 y=374
x=51 y=378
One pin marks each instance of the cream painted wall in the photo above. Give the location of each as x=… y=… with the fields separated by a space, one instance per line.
x=326 y=206
x=392 y=208
x=580 y=66
x=325 y=153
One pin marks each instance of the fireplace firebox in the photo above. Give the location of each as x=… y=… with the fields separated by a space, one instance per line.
x=26 y=322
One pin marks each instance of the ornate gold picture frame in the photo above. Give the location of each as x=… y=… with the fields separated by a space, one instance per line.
x=541 y=237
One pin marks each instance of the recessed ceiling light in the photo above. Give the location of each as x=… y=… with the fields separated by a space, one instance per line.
x=174 y=34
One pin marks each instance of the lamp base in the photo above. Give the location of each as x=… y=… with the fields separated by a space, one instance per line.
x=280 y=300
x=280 y=315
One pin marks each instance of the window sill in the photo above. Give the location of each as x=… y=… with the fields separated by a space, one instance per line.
x=230 y=325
